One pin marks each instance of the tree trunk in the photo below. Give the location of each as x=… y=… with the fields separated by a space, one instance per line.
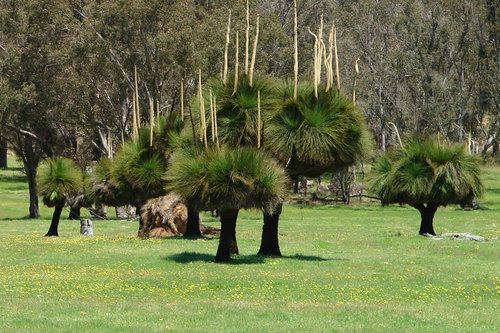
x=427 y=218
x=34 y=212
x=345 y=185
x=269 y=245
x=233 y=244
x=193 y=222
x=139 y=216
x=30 y=156
x=227 y=238
x=303 y=181
x=54 y=224
x=74 y=213
x=3 y=153
x=295 y=186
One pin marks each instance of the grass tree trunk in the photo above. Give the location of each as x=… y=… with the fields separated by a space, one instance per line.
x=54 y=224
x=295 y=185
x=269 y=245
x=139 y=216
x=74 y=213
x=3 y=153
x=427 y=218
x=193 y=222
x=227 y=240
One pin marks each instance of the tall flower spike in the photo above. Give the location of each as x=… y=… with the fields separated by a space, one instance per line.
x=330 y=57
x=258 y=119
x=182 y=99
x=212 y=116
x=254 y=53
x=295 y=51
x=247 y=39
x=336 y=55
x=320 y=50
x=151 y=120
x=215 y=122
x=224 y=74
x=356 y=72
x=315 y=80
x=203 y=126
x=236 y=66
x=136 y=109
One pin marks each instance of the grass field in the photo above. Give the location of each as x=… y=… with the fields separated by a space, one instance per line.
x=345 y=269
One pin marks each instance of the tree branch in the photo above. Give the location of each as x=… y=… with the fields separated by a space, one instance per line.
x=23 y=132
x=110 y=51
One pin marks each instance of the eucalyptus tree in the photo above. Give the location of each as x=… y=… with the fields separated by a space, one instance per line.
x=426 y=174
x=38 y=104
x=58 y=179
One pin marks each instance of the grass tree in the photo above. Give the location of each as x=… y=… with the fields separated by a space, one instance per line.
x=311 y=131
x=227 y=179
x=308 y=135
x=136 y=172
x=311 y=135
x=426 y=174
x=241 y=119
x=58 y=178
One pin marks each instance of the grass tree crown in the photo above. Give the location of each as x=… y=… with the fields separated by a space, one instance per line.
x=426 y=171
x=57 y=179
x=237 y=111
x=136 y=172
x=317 y=134
x=227 y=178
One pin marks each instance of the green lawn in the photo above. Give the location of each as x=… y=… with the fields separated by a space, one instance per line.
x=361 y=268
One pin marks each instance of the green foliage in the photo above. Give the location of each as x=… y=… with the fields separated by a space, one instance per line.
x=426 y=171
x=137 y=170
x=227 y=178
x=321 y=133
x=57 y=179
x=103 y=190
x=237 y=113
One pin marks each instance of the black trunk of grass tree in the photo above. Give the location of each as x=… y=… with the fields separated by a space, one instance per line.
x=139 y=216
x=74 y=213
x=227 y=238
x=193 y=222
x=269 y=245
x=54 y=224
x=427 y=217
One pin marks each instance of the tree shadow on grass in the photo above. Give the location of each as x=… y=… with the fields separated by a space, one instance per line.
x=13 y=179
x=190 y=257
x=303 y=257
x=22 y=218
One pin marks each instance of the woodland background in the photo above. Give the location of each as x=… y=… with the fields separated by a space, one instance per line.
x=67 y=66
